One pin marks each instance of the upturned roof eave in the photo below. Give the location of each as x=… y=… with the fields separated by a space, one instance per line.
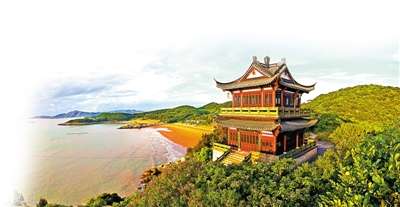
x=298 y=86
x=287 y=126
x=244 y=84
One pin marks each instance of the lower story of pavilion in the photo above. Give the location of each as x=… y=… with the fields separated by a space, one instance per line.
x=266 y=137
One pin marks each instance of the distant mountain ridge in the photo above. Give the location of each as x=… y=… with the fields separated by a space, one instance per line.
x=77 y=113
x=185 y=113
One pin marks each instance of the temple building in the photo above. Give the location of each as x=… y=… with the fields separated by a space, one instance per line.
x=266 y=115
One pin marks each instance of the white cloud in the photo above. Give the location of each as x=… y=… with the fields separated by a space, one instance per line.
x=168 y=52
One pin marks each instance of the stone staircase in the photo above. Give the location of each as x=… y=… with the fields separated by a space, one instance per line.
x=235 y=157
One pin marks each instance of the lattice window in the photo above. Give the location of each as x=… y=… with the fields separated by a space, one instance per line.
x=267 y=99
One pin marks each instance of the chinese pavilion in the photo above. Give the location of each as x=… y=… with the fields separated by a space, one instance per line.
x=266 y=114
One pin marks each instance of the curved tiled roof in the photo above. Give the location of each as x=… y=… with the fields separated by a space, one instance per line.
x=271 y=72
x=287 y=126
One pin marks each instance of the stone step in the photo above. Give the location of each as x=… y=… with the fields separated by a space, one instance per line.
x=234 y=158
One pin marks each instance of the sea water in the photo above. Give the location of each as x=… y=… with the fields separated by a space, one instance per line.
x=70 y=164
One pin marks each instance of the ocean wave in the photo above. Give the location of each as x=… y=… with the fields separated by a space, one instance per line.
x=172 y=151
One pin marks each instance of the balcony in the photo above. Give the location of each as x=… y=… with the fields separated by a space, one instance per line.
x=283 y=112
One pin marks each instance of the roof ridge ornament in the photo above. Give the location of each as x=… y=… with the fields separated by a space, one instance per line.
x=254 y=58
x=283 y=61
x=266 y=61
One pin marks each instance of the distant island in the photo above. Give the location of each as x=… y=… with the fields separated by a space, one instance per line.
x=77 y=113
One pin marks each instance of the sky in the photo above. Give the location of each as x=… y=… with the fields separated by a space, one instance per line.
x=102 y=56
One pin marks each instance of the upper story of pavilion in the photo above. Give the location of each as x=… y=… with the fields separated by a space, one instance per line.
x=267 y=90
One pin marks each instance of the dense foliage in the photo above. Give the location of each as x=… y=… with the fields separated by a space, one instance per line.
x=367 y=173
x=185 y=113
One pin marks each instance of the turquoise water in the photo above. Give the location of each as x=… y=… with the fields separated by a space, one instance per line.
x=70 y=164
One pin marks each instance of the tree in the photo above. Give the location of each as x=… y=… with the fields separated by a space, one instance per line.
x=42 y=203
x=348 y=135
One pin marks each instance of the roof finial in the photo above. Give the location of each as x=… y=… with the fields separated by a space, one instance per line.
x=254 y=58
x=283 y=60
x=266 y=60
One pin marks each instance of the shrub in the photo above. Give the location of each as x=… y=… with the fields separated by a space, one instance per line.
x=105 y=199
x=204 y=155
x=42 y=203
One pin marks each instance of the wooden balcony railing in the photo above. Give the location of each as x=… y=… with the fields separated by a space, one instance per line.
x=264 y=111
x=292 y=112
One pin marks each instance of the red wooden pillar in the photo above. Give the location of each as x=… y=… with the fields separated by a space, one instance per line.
x=229 y=136
x=241 y=99
x=276 y=134
x=233 y=99
x=273 y=97
x=238 y=138
x=262 y=97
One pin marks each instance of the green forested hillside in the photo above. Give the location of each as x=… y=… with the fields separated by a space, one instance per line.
x=101 y=118
x=113 y=116
x=374 y=104
x=185 y=113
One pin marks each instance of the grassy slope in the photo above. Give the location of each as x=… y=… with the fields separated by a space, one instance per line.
x=365 y=103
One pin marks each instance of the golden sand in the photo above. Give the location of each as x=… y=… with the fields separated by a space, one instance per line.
x=185 y=134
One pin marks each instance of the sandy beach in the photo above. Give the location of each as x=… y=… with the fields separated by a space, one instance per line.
x=183 y=134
